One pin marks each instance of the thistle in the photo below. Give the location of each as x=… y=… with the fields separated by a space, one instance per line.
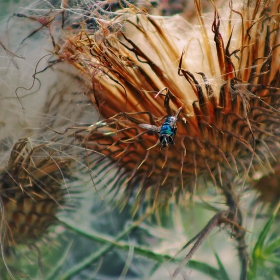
x=225 y=76
x=220 y=83
x=35 y=167
x=32 y=193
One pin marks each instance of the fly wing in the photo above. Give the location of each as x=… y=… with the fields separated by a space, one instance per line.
x=150 y=127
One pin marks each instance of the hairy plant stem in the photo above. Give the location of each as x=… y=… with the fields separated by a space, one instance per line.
x=239 y=232
x=217 y=219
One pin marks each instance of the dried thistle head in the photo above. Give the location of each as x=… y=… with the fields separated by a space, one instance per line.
x=268 y=186
x=32 y=192
x=225 y=76
x=35 y=177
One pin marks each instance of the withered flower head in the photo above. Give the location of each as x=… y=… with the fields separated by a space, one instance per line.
x=35 y=181
x=32 y=192
x=224 y=75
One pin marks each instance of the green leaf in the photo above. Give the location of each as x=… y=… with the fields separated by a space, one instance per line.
x=273 y=260
x=223 y=274
x=204 y=268
x=258 y=255
x=58 y=265
x=271 y=247
x=258 y=250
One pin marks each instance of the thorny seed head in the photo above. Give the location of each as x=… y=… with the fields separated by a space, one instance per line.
x=224 y=75
x=36 y=183
x=32 y=192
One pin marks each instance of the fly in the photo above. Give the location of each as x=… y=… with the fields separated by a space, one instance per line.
x=167 y=131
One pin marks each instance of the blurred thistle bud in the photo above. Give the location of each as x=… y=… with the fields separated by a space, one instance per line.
x=268 y=186
x=32 y=191
x=36 y=163
x=32 y=188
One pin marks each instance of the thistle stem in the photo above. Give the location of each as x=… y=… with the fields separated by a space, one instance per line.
x=219 y=218
x=239 y=231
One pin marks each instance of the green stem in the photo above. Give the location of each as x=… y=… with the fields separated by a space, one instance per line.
x=98 y=254
x=204 y=268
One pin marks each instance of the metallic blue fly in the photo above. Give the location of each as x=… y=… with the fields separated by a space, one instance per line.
x=167 y=131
